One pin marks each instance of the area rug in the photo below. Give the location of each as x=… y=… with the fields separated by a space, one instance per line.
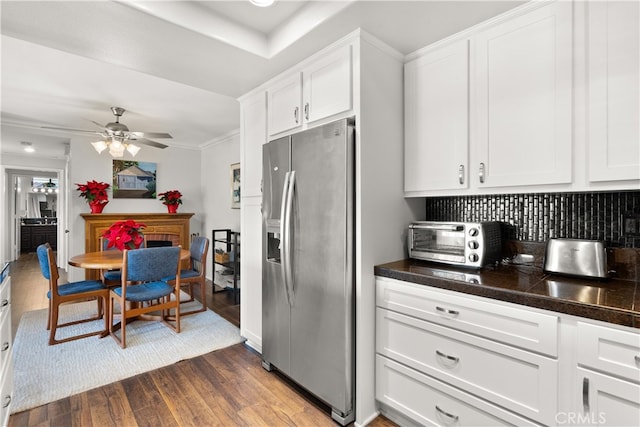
x=44 y=373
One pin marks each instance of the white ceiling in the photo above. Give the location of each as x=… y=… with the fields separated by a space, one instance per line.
x=178 y=66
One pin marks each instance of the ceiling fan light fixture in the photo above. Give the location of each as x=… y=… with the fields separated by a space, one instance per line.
x=262 y=3
x=116 y=150
x=100 y=146
x=133 y=149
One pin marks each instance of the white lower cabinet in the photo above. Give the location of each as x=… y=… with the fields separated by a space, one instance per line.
x=608 y=375
x=6 y=348
x=443 y=358
x=431 y=402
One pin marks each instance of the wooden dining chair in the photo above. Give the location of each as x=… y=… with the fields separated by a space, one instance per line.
x=68 y=292
x=144 y=289
x=195 y=274
x=113 y=277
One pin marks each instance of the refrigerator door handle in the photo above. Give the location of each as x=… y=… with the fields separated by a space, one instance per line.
x=286 y=259
x=284 y=235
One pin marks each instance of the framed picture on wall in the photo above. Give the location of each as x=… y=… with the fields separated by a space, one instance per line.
x=134 y=180
x=235 y=186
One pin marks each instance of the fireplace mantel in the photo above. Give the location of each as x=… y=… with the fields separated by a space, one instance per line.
x=157 y=224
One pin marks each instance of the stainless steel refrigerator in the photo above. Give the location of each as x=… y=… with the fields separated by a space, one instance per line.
x=308 y=329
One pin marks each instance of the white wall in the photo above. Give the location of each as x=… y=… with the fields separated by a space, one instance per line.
x=177 y=169
x=216 y=160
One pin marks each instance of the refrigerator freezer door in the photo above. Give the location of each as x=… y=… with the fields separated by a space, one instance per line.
x=322 y=328
x=275 y=306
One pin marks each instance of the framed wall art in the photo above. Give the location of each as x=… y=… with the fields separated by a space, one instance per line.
x=134 y=180
x=235 y=186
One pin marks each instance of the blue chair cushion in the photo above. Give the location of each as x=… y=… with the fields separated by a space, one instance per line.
x=113 y=275
x=145 y=291
x=78 y=287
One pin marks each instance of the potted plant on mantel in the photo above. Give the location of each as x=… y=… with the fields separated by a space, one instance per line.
x=96 y=194
x=171 y=199
x=125 y=234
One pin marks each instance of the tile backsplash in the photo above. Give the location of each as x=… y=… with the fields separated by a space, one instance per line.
x=610 y=216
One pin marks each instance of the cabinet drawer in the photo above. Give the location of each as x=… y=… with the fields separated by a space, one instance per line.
x=606 y=401
x=5 y=341
x=6 y=393
x=515 y=379
x=5 y=299
x=431 y=402
x=610 y=350
x=503 y=322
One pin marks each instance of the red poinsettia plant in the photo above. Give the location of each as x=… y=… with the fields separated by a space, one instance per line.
x=171 y=197
x=124 y=235
x=94 y=191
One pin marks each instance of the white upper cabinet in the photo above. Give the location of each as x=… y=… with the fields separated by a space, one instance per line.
x=490 y=110
x=522 y=82
x=437 y=119
x=253 y=133
x=614 y=90
x=285 y=99
x=322 y=89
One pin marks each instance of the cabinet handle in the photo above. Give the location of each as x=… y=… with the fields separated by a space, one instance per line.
x=461 y=174
x=481 y=173
x=453 y=359
x=7 y=401
x=5 y=302
x=295 y=114
x=5 y=346
x=585 y=394
x=447 y=311
x=637 y=359
x=306 y=111
x=452 y=417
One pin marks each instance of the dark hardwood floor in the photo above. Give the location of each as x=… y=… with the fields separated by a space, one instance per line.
x=227 y=387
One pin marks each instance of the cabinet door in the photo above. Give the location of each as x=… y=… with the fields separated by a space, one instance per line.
x=437 y=120
x=251 y=271
x=614 y=90
x=328 y=85
x=606 y=401
x=523 y=90
x=253 y=133
x=285 y=98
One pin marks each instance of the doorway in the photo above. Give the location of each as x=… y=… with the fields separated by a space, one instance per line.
x=35 y=212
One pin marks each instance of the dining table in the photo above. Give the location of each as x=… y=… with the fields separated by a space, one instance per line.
x=108 y=260
x=112 y=260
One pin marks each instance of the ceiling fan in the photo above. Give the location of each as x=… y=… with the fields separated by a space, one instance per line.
x=117 y=136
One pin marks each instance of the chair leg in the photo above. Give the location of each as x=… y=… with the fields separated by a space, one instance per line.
x=54 y=324
x=49 y=316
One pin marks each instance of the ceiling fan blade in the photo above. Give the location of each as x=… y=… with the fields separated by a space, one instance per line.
x=151 y=135
x=145 y=141
x=70 y=129
x=98 y=124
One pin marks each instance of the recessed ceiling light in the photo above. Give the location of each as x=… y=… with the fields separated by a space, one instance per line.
x=27 y=147
x=262 y=3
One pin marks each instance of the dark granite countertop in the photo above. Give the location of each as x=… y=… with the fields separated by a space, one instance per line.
x=613 y=300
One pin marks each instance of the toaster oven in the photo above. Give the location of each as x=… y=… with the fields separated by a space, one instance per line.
x=467 y=244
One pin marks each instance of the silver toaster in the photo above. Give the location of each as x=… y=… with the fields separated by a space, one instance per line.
x=575 y=257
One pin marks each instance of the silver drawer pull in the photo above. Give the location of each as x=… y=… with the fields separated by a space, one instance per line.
x=5 y=346
x=585 y=394
x=447 y=311
x=7 y=401
x=452 y=417
x=5 y=302
x=637 y=359
x=449 y=358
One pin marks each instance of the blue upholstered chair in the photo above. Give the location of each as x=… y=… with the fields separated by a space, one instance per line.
x=195 y=274
x=112 y=277
x=74 y=291
x=144 y=289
